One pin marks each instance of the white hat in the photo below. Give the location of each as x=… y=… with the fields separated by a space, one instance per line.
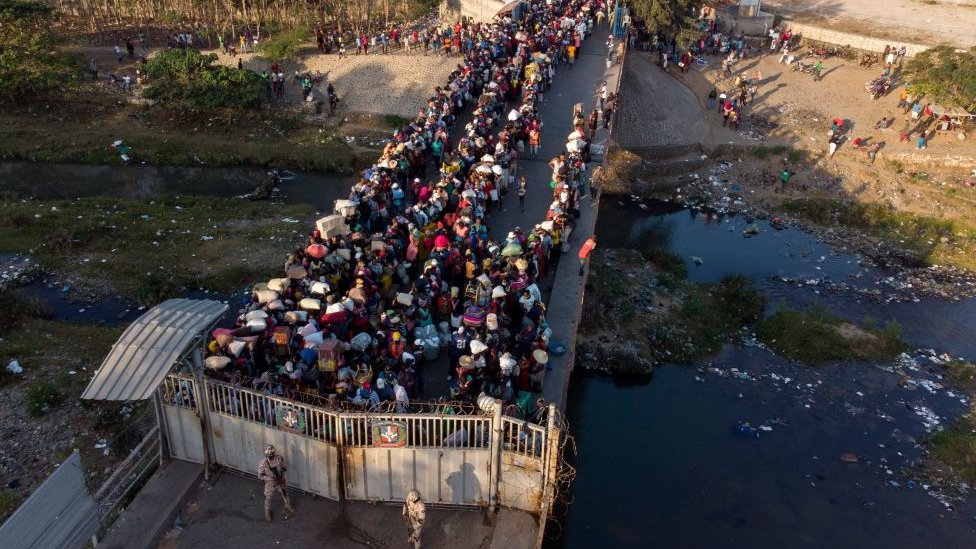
x=511 y=235
x=498 y=292
x=540 y=356
x=478 y=347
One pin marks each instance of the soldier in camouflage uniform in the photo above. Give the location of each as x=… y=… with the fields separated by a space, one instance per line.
x=271 y=470
x=414 y=514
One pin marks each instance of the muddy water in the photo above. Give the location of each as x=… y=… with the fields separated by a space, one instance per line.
x=668 y=468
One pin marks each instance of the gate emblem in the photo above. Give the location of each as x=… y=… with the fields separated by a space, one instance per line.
x=389 y=434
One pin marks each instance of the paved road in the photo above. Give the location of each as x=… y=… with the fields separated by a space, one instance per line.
x=569 y=87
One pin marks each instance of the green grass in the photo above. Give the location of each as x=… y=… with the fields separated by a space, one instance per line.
x=795 y=156
x=707 y=316
x=81 y=131
x=395 y=121
x=815 y=336
x=962 y=373
x=9 y=501
x=779 y=149
x=956 y=447
x=760 y=152
x=929 y=240
x=284 y=45
x=42 y=396
x=152 y=249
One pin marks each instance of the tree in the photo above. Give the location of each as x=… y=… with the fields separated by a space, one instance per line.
x=945 y=75
x=185 y=78
x=30 y=65
x=669 y=17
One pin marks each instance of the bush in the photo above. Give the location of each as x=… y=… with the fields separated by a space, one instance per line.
x=285 y=45
x=29 y=65
x=41 y=396
x=760 y=152
x=945 y=75
x=185 y=78
x=156 y=288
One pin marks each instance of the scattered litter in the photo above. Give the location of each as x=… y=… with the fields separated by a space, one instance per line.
x=849 y=458
x=744 y=428
x=14 y=367
x=206 y=237
x=102 y=443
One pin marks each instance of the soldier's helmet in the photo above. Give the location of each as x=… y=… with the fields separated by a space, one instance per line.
x=413 y=496
x=269 y=450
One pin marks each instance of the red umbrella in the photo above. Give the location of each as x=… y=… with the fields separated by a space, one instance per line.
x=317 y=251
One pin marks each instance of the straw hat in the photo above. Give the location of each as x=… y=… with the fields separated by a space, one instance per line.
x=466 y=362
x=477 y=346
x=540 y=356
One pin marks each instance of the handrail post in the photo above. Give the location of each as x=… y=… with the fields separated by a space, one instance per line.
x=495 y=459
x=203 y=409
x=550 y=469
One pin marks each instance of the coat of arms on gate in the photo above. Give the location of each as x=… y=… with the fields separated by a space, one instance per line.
x=290 y=419
x=389 y=434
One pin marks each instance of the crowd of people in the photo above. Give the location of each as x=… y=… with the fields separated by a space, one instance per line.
x=407 y=270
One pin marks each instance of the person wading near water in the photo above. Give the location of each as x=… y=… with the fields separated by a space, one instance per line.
x=271 y=470
x=585 y=251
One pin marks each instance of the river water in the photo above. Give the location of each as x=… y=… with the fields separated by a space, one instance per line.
x=661 y=464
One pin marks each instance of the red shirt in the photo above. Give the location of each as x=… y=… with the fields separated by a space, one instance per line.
x=587 y=248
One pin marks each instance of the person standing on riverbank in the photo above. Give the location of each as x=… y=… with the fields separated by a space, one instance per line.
x=585 y=252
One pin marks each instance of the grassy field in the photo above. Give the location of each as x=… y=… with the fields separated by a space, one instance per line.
x=151 y=249
x=83 y=131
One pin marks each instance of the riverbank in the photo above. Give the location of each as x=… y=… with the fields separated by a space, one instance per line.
x=761 y=448
x=83 y=128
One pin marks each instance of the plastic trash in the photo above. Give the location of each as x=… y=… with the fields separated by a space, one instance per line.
x=745 y=429
x=14 y=367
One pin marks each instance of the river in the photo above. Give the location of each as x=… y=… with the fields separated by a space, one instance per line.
x=661 y=464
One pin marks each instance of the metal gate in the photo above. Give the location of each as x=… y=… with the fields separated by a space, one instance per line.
x=243 y=421
x=461 y=460
x=447 y=458
x=181 y=418
x=523 y=460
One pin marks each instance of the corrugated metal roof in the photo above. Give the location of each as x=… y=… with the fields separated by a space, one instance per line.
x=140 y=359
x=59 y=514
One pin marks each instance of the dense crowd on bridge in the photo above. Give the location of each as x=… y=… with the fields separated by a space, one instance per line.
x=410 y=270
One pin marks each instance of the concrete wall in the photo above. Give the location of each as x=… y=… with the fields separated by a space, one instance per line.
x=838 y=38
x=479 y=10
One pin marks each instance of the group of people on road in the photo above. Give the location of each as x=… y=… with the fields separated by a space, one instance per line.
x=409 y=270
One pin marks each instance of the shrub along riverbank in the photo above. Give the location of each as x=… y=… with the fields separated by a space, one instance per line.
x=815 y=336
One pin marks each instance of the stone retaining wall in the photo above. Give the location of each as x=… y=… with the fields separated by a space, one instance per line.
x=838 y=38
x=479 y=10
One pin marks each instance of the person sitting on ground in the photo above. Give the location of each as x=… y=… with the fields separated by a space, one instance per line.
x=883 y=123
